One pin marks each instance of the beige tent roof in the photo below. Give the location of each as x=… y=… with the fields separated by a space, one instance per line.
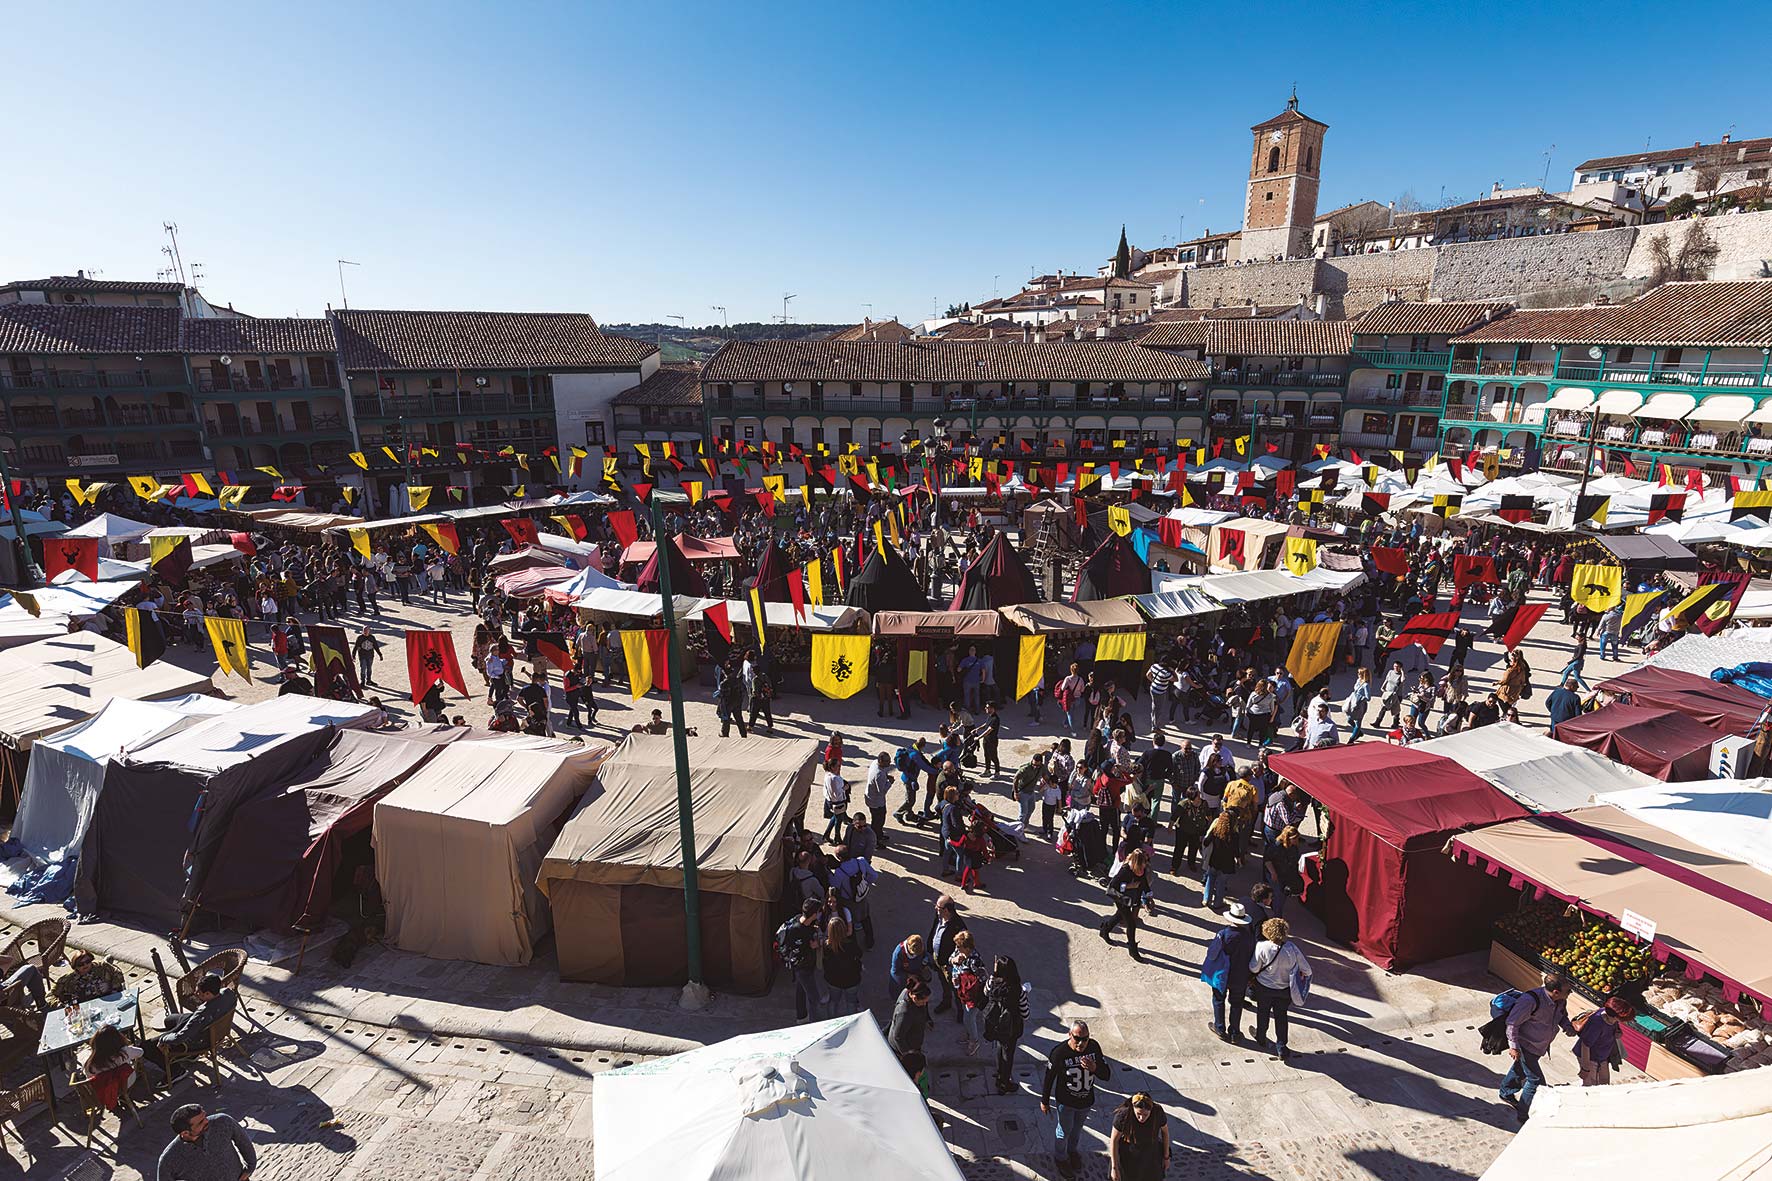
x=1094 y=616
x=53 y=683
x=458 y=844
x=745 y=791
x=941 y=624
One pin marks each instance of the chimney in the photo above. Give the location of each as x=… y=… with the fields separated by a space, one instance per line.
x=1027 y=333
x=1101 y=332
x=1725 y=138
x=1077 y=332
x=990 y=334
x=1322 y=305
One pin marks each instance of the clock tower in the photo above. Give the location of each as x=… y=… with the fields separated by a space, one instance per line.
x=1283 y=172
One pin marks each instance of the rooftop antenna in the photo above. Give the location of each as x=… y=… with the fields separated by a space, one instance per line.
x=784 y=307
x=678 y=319
x=869 y=310
x=725 y=320
x=171 y=251
x=342 y=264
x=197 y=275
x=1545 y=179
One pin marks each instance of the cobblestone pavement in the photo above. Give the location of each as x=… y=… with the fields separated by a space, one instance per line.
x=448 y=1070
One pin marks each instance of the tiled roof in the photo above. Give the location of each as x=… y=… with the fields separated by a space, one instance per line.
x=1421 y=318
x=481 y=340
x=675 y=384
x=874 y=330
x=947 y=361
x=1680 y=315
x=71 y=283
x=247 y=335
x=1323 y=217
x=84 y=328
x=1251 y=337
x=1175 y=334
x=1725 y=154
x=1290 y=115
x=1488 y=204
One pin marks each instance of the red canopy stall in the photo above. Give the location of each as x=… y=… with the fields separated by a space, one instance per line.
x=1659 y=742
x=1382 y=884
x=1729 y=709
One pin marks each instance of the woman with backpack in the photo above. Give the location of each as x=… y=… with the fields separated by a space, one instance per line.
x=1004 y=1016
x=842 y=968
x=967 y=975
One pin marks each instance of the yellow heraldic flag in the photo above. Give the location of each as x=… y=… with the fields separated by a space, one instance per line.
x=1597 y=587
x=916 y=667
x=360 y=542
x=360 y=459
x=1119 y=519
x=840 y=665
x=1301 y=557
x=145 y=487
x=776 y=486
x=633 y=646
x=1120 y=646
x=232 y=494
x=815 y=581
x=1313 y=651
x=1634 y=606
x=418 y=495
x=1030 y=670
x=228 y=638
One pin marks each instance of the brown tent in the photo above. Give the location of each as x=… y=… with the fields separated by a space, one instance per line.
x=614 y=878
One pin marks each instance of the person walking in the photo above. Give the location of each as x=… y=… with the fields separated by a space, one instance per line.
x=1596 y=1041
x=1532 y=1023
x=1138 y=1145
x=1390 y=696
x=1222 y=850
x=879 y=785
x=836 y=804
x=1004 y=1017
x=1225 y=969
x=797 y=943
x=1611 y=623
x=990 y=731
x=842 y=968
x=1027 y=787
x=1357 y=701
x=1276 y=965
x=1161 y=679
x=1130 y=888
x=1070 y=693
x=1072 y=1069
x=368 y=649
x=943 y=929
x=206 y=1148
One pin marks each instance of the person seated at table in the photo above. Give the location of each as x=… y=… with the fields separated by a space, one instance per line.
x=108 y=1066
x=29 y=977
x=90 y=979
x=215 y=1004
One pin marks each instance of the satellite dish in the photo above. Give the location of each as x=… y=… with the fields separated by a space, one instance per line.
x=1595 y=351
x=226 y=360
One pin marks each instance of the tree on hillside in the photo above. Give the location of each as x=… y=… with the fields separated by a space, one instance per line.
x=1691 y=259
x=1123 y=257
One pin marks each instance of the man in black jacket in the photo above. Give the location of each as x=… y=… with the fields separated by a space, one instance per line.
x=1071 y=1070
x=942 y=929
x=215 y=1004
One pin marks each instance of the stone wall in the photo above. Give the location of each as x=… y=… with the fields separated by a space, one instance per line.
x=1357 y=283
x=1518 y=266
x=1260 y=282
x=1744 y=241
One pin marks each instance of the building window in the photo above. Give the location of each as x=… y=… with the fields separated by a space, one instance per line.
x=1268 y=197
x=1309 y=158
x=594 y=434
x=1273 y=159
x=1624 y=355
x=1393 y=381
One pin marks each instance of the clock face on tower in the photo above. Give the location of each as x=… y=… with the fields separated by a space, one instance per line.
x=1277 y=136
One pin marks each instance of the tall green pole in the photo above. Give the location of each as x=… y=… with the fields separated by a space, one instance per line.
x=680 y=746
x=27 y=569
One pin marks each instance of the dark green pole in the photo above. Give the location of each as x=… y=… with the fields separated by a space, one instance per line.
x=680 y=746
x=27 y=569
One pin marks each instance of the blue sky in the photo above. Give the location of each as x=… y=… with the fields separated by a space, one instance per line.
x=641 y=160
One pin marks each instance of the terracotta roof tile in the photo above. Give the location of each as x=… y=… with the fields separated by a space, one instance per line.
x=1250 y=337
x=1725 y=153
x=85 y=328
x=874 y=330
x=481 y=340
x=1681 y=315
x=247 y=335
x=947 y=361
x=73 y=283
x=1422 y=318
x=675 y=384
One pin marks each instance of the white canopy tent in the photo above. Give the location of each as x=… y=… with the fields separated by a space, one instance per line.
x=814 y=1101
x=829 y=618
x=1176 y=603
x=111 y=528
x=1250 y=586
x=1728 y=816
x=1717 y=1128
x=1704 y=655
x=1543 y=774
x=51 y=684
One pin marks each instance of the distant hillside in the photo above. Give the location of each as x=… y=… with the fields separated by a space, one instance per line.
x=698 y=344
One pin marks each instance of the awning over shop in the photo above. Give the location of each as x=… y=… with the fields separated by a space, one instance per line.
x=1570 y=398
x=1711 y=911
x=1728 y=816
x=1727 y=709
x=1619 y=402
x=696 y=549
x=1666 y=405
x=937 y=624
x=1252 y=586
x=1660 y=742
x=1176 y=603
x=1096 y=615
x=1540 y=772
x=830 y=618
x=1648 y=549
x=632 y=604
x=1726 y=409
x=53 y=683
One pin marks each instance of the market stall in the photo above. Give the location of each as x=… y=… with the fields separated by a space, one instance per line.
x=1645 y=554
x=1381 y=884
x=1726 y=709
x=1246 y=543
x=614 y=876
x=1541 y=773
x=1660 y=742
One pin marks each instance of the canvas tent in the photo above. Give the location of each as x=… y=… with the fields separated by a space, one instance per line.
x=1714 y=1128
x=824 y=1100
x=1543 y=774
x=457 y=847
x=1727 y=709
x=939 y=625
x=1659 y=742
x=771 y=578
x=53 y=683
x=1646 y=553
x=1063 y=521
x=885 y=583
x=1098 y=616
x=614 y=877
x=166 y=805
x=111 y=529
x=1382 y=884
x=1258 y=547
x=685 y=578
x=996 y=578
x=1112 y=571
x=275 y=864
x=1730 y=816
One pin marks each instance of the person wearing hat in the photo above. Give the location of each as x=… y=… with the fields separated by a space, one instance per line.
x=1597 y=1048
x=1226 y=970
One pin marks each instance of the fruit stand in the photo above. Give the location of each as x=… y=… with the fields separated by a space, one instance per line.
x=1624 y=908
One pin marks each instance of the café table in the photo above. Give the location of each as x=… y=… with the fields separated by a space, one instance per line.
x=119 y=1010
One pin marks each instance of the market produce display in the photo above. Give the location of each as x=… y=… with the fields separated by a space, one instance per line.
x=1596 y=955
x=1736 y=1025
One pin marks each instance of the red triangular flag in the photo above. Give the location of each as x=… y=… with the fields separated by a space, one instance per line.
x=658 y=648
x=244 y=543
x=1527 y=615
x=718 y=615
x=797 y=592
x=622 y=522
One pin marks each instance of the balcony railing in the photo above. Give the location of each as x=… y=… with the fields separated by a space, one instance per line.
x=1724 y=376
x=1284 y=379
x=152 y=416
x=86 y=418
x=466 y=404
x=269 y=383
x=100 y=379
x=252 y=428
x=1703 y=439
x=1510 y=415
x=956 y=405
x=1404 y=360
x=1396 y=398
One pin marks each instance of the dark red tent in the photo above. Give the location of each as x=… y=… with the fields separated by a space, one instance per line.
x=1111 y=571
x=885 y=584
x=685 y=578
x=1726 y=708
x=996 y=578
x=1659 y=742
x=1383 y=883
x=772 y=575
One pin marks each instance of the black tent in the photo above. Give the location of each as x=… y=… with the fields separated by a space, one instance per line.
x=886 y=584
x=772 y=575
x=685 y=578
x=1114 y=569
x=996 y=578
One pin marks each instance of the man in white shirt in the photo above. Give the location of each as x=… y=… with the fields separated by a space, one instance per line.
x=836 y=805
x=1320 y=731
